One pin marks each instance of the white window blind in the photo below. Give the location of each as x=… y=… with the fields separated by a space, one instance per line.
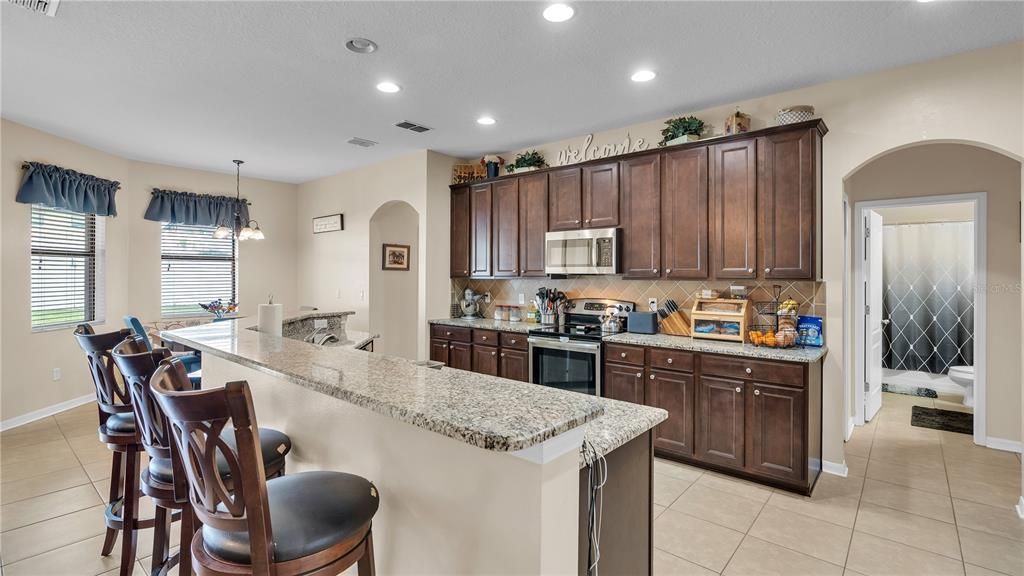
x=195 y=267
x=67 y=260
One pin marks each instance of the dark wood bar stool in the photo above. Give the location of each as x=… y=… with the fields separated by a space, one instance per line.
x=117 y=430
x=308 y=523
x=137 y=364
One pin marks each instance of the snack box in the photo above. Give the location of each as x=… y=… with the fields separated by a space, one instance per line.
x=810 y=331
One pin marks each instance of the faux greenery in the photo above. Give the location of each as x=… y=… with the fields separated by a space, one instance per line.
x=528 y=159
x=676 y=127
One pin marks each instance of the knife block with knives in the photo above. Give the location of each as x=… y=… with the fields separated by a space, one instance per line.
x=673 y=321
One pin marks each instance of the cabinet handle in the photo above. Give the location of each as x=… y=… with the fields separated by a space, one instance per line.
x=444 y=345
x=750 y=270
x=575 y=221
x=447 y=333
x=757 y=392
x=512 y=341
x=669 y=361
x=493 y=353
x=748 y=370
x=515 y=270
x=623 y=354
x=655 y=270
x=767 y=270
x=483 y=337
x=465 y=271
x=502 y=354
x=639 y=374
x=652 y=376
x=738 y=389
x=587 y=221
x=668 y=270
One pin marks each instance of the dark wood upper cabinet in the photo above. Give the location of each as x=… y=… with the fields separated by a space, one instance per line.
x=734 y=209
x=460 y=232
x=514 y=364
x=565 y=209
x=775 y=431
x=674 y=393
x=533 y=223
x=480 y=226
x=720 y=411
x=788 y=177
x=641 y=216
x=684 y=213
x=624 y=383
x=506 y=228
x=601 y=195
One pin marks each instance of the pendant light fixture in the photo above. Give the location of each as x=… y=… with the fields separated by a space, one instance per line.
x=243 y=231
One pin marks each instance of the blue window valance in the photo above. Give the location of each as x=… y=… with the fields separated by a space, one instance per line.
x=190 y=208
x=66 y=189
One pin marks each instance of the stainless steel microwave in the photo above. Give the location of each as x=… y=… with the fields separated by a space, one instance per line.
x=594 y=251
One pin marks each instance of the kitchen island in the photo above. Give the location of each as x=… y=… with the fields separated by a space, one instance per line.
x=477 y=474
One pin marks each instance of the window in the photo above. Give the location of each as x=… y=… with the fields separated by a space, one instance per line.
x=195 y=267
x=67 y=257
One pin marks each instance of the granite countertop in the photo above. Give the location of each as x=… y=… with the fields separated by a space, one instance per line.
x=622 y=422
x=489 y=324
x=484 y=411
x=800 y=354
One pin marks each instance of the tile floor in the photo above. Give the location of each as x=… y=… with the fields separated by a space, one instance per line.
x=916 y=501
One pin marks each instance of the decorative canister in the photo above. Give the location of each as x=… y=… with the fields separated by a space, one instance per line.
x=737 y=123
x=794 y=114
x=515 y=314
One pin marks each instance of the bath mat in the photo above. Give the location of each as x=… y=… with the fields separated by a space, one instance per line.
x=909 y=390
x=938 y=419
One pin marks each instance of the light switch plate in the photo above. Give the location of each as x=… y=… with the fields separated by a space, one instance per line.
x=652 y=304
x=522 y=298
x=319 y=323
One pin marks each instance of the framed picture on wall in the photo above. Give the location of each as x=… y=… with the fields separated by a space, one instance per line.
x=332 y=223
x=395 y=257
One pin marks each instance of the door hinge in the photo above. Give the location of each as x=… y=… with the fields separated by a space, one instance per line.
x=867 y=309
x=867 y=237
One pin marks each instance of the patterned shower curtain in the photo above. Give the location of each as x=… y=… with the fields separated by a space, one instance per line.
x=928 y=275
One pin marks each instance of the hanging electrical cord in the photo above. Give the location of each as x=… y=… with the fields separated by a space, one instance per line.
x=597 y=478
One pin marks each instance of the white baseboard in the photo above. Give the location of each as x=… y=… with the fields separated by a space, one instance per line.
x=1003 y=444
x=834 y=468
x=44 y=412
x=1020 y=507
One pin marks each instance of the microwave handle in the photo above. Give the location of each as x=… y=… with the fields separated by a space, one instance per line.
x=594 y=253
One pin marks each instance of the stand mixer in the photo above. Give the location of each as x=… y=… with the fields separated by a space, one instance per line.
x=471 y=304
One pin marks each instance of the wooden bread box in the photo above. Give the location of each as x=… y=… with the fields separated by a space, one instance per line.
x=720 y=319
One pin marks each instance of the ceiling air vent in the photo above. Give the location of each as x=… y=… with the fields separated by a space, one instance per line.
x=48 y=7
x=412 y=126
x=362 y=142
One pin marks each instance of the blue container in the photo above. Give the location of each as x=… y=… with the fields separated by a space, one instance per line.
x=810 y=331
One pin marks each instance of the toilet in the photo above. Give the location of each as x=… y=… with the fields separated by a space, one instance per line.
x=963 y=376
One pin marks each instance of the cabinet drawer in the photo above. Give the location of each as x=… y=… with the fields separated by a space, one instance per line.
x=513 y=340
x=451 y=333
x=667 y=359
x=485 y=337
x=622 y=354
x=748 y=369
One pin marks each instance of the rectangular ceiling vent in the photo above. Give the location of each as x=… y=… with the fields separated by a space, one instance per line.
x=48 y=7
x=362 y=142
x=412 y=126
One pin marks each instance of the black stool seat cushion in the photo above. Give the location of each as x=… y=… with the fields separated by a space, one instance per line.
x=309 y=513
x=273 y=444
x=123 y=423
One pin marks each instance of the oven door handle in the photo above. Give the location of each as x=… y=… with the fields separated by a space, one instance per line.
x=559 y=345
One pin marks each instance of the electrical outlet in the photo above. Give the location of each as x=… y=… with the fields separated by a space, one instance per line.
x=652 y=303
x=56 y=374
x=522 y=298
x=319 y=323
x=487 y=297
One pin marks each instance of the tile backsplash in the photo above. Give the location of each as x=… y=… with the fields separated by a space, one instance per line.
x=810 y=295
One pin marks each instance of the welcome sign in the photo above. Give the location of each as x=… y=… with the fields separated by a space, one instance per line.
x=590 y=151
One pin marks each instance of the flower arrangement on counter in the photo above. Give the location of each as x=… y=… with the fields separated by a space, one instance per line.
x=219 y=309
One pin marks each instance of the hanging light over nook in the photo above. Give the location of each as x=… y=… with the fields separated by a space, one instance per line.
x=243 y=230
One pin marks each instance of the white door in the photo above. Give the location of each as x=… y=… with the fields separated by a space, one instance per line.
x=873 y=315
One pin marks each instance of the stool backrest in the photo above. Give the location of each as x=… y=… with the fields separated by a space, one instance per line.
x=137 y=364
x=197 y=421
x=112 y=395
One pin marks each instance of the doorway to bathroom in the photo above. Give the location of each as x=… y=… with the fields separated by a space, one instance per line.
x=921 y=327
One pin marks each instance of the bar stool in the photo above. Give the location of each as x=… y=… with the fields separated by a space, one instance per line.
x=137 y=363
x=117 y=430
x=306 y=523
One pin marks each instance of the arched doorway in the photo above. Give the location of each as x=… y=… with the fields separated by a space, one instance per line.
x=394 y=294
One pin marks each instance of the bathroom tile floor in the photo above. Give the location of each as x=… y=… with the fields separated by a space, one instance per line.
x=916 y=501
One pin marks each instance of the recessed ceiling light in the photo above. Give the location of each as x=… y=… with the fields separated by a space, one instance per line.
x=924 y=1
x=361 y=45
x=558 y=12
x=485 y=120
x=643 y=76
x=389 y=87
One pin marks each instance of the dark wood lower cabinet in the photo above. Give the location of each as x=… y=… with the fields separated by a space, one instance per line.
x=720 y=412
x=775 y=431
x=514 y=364
x=485 y=360
x=439 y=351
x=624 y=383
x=460 y=356
x=673 y=392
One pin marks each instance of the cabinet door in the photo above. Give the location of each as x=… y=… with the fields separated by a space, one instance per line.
x=601 y=195
x=684 y=209
x=734 y=209
x=565 y=211
x=485 y=360
x=623 y=383
x=641 y=216
x=720 y=433
x=439 y=351
x=513 y=364
x=775 y=431
x=533 y=223
x=787 y=192
x=460 y=233
x=460 y=355
x=506 y=227
x=480 y=212
x=673 y=392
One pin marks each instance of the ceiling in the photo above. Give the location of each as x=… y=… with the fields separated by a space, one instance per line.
x=196 y=84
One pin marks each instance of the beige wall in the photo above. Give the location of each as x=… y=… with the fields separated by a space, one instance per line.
x=394 y=294
x=941 y=169
x=973 y=97
x=132 y=260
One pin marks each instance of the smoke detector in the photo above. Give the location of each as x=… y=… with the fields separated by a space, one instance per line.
x=412 y=126
x=48 y=7
x=362 y=142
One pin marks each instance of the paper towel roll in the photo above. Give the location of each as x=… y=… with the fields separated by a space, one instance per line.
x=269 y=319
